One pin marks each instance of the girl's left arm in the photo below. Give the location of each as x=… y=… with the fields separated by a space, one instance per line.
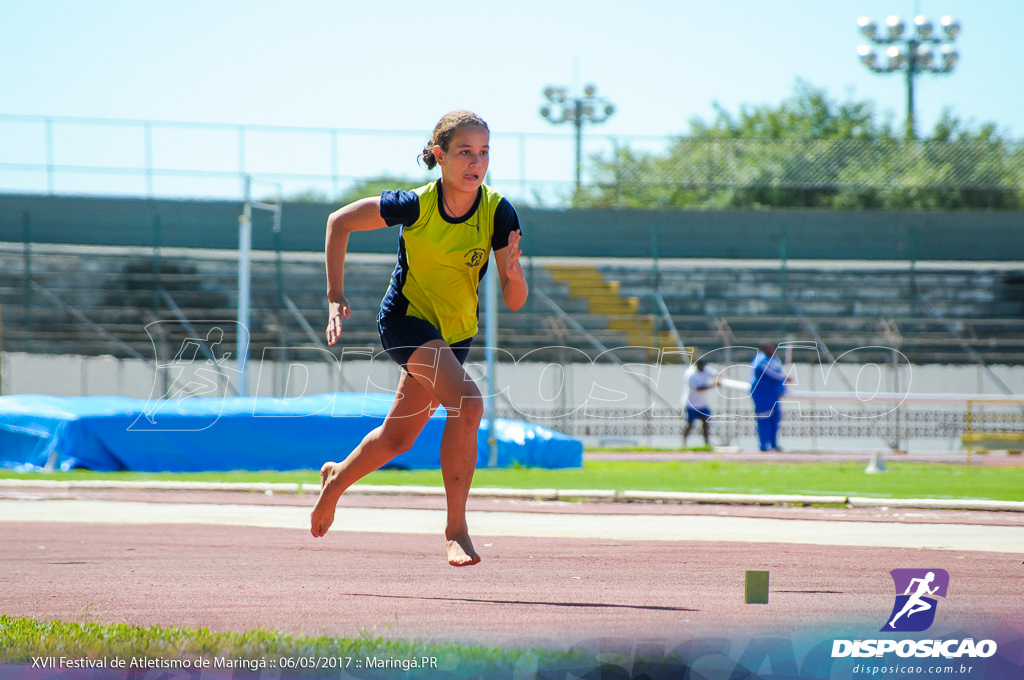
x=513 y=281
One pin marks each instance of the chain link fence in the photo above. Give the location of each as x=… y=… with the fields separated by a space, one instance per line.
x=836 y=174
x=85 y=156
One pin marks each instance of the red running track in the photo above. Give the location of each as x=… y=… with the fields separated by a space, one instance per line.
x=526 y=591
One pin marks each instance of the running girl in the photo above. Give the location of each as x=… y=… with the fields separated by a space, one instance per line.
x=428 y=316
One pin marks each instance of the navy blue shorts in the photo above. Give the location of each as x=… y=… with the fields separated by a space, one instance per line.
x=694 y=414
x=401 y=335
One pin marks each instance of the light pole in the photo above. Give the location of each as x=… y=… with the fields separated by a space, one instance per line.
x=911 y=53
x=588 y=107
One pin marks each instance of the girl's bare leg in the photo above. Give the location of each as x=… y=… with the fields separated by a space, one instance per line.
x=408 y=415
x=433 y=376
x=435 y=365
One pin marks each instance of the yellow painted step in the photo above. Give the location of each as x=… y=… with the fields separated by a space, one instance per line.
x=639 y=338
x=613 y=304
x=629 y=322
x=604 y=297
x=575 y=274
x=584 y=289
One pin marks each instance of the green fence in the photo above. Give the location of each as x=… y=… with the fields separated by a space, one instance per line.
x=759 y=234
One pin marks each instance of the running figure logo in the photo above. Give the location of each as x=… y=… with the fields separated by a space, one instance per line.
x=914 y=610
x=475 y=257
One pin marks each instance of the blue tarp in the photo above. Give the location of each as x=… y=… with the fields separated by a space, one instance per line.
x=237 y=433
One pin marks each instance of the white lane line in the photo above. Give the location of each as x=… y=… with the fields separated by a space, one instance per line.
x=602 y=527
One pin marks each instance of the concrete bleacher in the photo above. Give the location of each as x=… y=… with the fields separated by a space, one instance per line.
x=100 y=300
x=931 y=313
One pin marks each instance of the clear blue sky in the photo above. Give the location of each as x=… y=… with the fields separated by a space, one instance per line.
x=400 y=65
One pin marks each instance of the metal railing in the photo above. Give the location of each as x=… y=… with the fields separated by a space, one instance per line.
x=116 y=157
x=61 y=155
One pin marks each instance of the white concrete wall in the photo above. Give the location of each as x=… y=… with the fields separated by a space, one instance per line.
x=564 y=388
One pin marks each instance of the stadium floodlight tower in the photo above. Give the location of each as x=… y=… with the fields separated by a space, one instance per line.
x=586 y=108
x=912 y=53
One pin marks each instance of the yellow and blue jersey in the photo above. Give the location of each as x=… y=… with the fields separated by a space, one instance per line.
x=441 y=259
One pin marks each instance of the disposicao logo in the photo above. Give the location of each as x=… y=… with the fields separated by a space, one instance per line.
x=913 y=612
x=915 y=606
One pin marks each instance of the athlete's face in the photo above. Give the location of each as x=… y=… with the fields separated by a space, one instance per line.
x=464 y=165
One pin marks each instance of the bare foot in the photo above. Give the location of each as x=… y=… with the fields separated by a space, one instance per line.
x=461 y=552
x=322 y=516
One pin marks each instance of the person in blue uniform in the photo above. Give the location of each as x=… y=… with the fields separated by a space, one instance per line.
x=767 y=385
x=428 y=317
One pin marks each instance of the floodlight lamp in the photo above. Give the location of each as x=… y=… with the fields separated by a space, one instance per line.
x=555 y=95
x=949 y=57
x=895 y=26
x=545 y=111
x=867 y=56
x=950 y=26
x=569 y=112
x=896 y=56
x=867 y=26
x=609 y=110
x=924 y=56
x=924 y=26
x=590 y=90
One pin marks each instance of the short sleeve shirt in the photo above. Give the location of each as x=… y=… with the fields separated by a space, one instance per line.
x=693 y=381
x=441 y=260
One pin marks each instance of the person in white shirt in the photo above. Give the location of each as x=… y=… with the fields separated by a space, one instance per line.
x=698 y=379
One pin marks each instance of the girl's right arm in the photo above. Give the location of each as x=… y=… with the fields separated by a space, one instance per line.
x=363 y=215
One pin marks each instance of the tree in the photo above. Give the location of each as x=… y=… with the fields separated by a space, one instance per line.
x=812 y=151
x=359 y=189
x=374 y=187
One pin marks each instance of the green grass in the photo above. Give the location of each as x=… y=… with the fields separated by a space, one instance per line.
x=903 y=480
x=22 y=639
